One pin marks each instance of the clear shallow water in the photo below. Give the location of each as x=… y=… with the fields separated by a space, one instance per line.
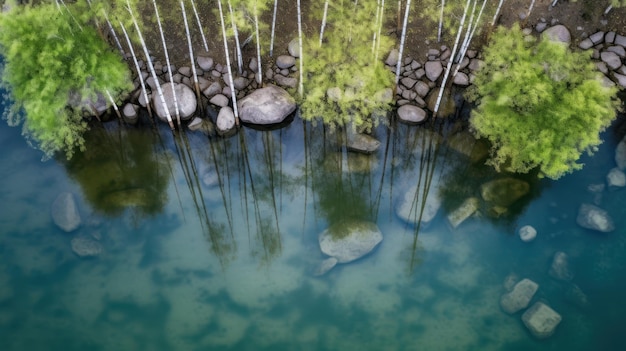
x=203 y=267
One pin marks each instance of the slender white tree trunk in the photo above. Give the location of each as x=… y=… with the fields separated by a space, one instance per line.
x=323 y=22
x=380 y=28
x=376 y=24
x=443 y=4
x=168 y=116
x=273 y=28
x=236 y=35
x=495 y=15
x=456 y=44
x=466 y=44
x=117 y=111
x=115 y=38
x=554 y=3
x=608 y=9
x=259 y=75
x=195 y=12
x=233 y=93
x=468 y=31
x=301 y=58
x=144 y=91
x=191 y=56
x=167 y=60
x=530 y=9
x=402 y=40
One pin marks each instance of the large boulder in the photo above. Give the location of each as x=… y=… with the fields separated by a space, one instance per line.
x=408 y=207
x=519 y=297
x=348 y=241
x=594 y=218
x=541 y=320
x=185 y=98
x=504 y=191
x=269 y=105
x=65 y=212
x=225 y=122
x=558 y=33
x=411 y=114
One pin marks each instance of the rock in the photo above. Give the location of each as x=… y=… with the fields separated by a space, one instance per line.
x=519 y=297
x=560 y=267
x=129 y=112
x=350 y=240
x=185 y=97
x=619 y=50
x=294 y=47
x=541 y=26
x=466 y=144
x=287 y=82
x=392 y=58
x=620 y=154
x=541 y=320
x=200 y=124
x=213 y=89
x=558 y=33
x=611 y=59
x=433 y=70
x=152 y=84
x=510 y=281
x=185 y=71
x=601 y=66
x=362 y=143
x=594 y=218
x=219 y=100
x=586 y=44
x=575 y=295
x=65 y=212
x=597 y=37
x=334 y=94
x=527 y=233
x=616 y=178
x=504 y=191
x=620 y=40
x=621 y=79
x=411 y=114
x=461 y=79
x=241 y=83
x=285 y=61
x=422 y=89
x=609 y=38
x=267 y=105
x=463 y=212
x=408 y=210
x=205 y=62
x=225 y=122
x=86 y=247
x=475 y=64
x=408 y=82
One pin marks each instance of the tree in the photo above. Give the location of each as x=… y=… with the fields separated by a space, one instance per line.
x=539 y=104
x=56 y=65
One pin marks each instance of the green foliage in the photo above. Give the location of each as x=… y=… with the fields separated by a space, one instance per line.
x=56 y=64
x=539 y=104
x=345 y=63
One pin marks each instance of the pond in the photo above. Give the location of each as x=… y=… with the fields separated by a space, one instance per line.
x=212 y=244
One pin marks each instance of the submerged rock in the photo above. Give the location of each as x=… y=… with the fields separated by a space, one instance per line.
x=527 y=233
x=504 y=192
x=594 y=218
x=86 y=247
x=408 y=208
x=347 y=241
x=362 y=143
x=269 y=105
x=65 y=212
x=560 y=267
x=541 y=320
x=467 y=208
x=519 y=297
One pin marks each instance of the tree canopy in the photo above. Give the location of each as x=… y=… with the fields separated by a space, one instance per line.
x=55 y=63
x=539 y=104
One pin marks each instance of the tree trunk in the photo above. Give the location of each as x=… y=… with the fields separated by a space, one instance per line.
x=233 y=93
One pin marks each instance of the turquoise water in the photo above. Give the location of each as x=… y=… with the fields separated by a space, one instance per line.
x=224 y=261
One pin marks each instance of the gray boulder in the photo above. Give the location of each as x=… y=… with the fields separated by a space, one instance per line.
x=65 y=212
x=294 y=48
x=269 y=105
x=433 y=70
x=205 y=62
x=185 y=98
x=560 y=267
x=287 y=82
x=611 y=59
x=541 y=320
x=130 y=113
x=594 y=218
x=519 y=297
x=225 y=122
x=348 y=241
x=616 y=178
x=362 y=143
x=219 y=100
x=285 y=61
x=411 y=114
x=408 y=211
x=558 y=33
x=392 y=58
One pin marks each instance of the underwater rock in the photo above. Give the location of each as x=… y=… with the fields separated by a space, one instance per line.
x=519 y=297
x=560 y=267
x=408 y=206
x=65 y=212
x=510 y=281
x=86 y=247
x=325 y=266
x=411 y=114
x=504 y=191
x=527 y=233
x=541 y=320
x=576 y=296
x=362 y=143
x=466 y=144
x=185 y=98
x=594 y=218
x=349 y=241
x=620 y=154
x=616 y=178
x=467 y=208
x=269 y=105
